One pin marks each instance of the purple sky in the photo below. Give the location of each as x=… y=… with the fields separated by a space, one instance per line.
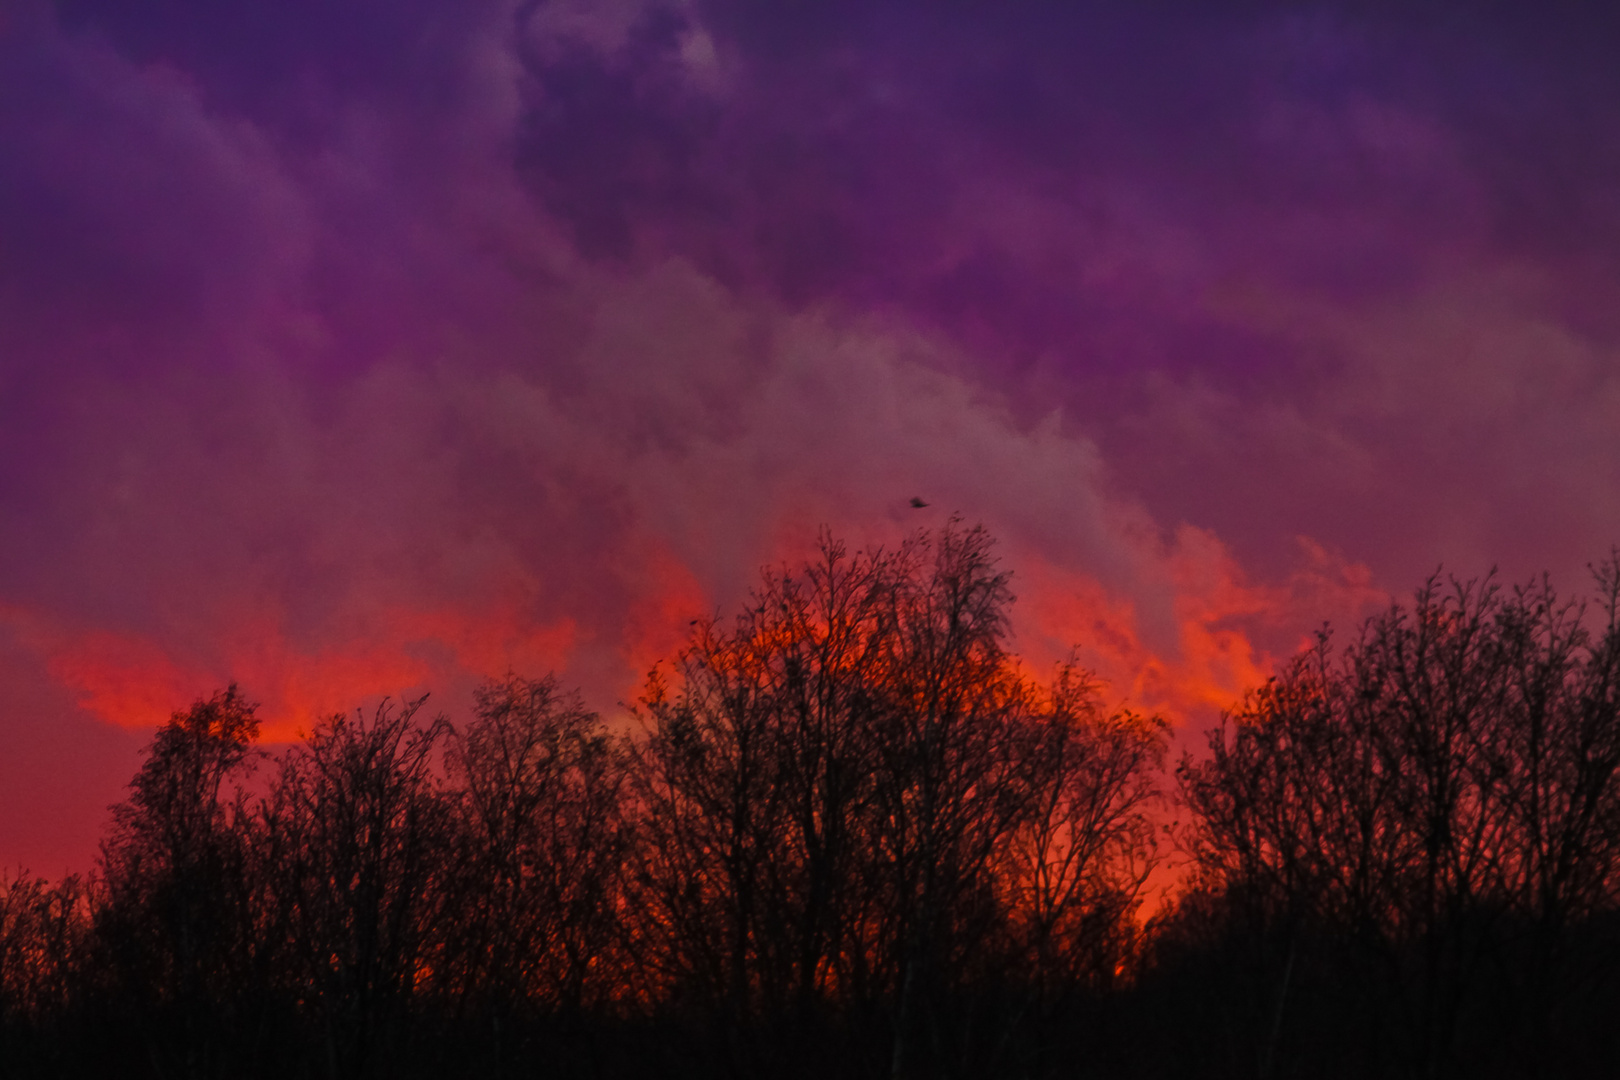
x=365 y=347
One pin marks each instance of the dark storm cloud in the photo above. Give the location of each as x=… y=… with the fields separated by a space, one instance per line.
x=355 y=347
x=1209 y=233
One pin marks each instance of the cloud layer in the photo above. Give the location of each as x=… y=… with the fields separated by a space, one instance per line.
x=356 y=349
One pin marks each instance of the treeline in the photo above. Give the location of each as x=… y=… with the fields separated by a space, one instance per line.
x=1405 y=853
x=849 y=835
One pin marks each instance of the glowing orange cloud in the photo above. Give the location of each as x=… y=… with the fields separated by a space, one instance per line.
x=125 y=680
x=1210 y=653
x=1192 y=637
x=660 y=617
x=133 y=681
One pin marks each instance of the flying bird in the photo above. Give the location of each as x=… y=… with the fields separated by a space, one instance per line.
x=916 y=503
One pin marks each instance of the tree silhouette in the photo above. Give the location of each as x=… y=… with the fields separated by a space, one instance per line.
x=43 y=931
x=853 y=835
x=1083 y=854
x=544 y=835
x=360 y=827
x=175 y=926
x=1440 y=797
x=852 y=799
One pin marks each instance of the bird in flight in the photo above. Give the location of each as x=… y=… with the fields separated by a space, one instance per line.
x=916 y=503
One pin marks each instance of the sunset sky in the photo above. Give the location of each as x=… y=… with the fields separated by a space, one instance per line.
x=370 y=347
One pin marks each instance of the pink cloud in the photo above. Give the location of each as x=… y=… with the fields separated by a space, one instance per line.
x=344 y=359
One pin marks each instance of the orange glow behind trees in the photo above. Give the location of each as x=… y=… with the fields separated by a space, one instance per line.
x=851 y=835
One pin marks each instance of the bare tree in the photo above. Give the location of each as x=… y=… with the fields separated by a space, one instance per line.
x=175 y=924
x=950 y=787
x=43 y=931
x=360 y=826
x=1557 y=752
x=1081 y=856
x=1426 y=794
x=707 y=778
x=539 y=885
x=756 y=777
x=853 y=798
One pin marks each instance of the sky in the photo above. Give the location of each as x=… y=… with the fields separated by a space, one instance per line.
x=353 y=348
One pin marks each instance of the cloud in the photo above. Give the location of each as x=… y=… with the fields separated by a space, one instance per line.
x=446 y=521
x=363 y=349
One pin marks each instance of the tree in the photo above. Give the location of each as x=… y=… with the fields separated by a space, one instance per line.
x=175 y=929
x=43 y=929
x=951 y=788
x=1081 y=856
x=360 y=829
x=1439 y=799
x=545 y=836
x=849 y=798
